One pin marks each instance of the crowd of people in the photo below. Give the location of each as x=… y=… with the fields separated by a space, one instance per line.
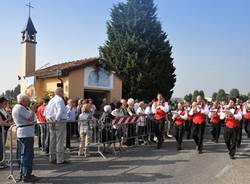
x=58 y=121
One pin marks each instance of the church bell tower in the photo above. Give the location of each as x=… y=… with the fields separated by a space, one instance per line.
x=28 y=51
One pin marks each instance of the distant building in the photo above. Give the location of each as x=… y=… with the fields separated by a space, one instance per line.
x=209 y=99
x=79 y=79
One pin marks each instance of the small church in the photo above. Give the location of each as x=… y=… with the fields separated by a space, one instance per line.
x=83 y=78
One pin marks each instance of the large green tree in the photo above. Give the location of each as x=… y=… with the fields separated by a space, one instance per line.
x=138 y=49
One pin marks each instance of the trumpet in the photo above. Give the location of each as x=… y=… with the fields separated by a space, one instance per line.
x=229 y=111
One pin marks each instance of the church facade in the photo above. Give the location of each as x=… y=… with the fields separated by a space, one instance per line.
x=82 y=78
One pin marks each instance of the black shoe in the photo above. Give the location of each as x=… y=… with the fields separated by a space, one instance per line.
x=3 y=166
x=32 y=179
x=178 y=148
x=64 y=162
x=52 y=162
x=159 y=144
x=152 y=141
x=199 y=151
x=232 y=157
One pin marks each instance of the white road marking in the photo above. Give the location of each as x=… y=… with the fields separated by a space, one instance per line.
x=224 y=170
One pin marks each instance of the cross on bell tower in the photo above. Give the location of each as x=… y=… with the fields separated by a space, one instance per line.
x=29 y=31
x=28 y=45
x=29 y=5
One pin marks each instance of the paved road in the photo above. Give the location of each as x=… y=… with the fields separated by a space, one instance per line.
x=146 y=164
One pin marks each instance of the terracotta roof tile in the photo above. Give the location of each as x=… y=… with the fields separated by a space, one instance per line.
x=64 y=67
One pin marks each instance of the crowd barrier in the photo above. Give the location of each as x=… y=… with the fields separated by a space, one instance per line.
x=128 y=130
x=2 y=142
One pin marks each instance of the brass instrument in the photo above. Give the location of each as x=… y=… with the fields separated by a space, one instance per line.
x=229 y=111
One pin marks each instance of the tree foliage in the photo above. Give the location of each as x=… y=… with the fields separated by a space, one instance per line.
x=234 y=93
x=12 y=94
x=244 y=98
x=188 y=97
x=138 y=49
x=214 y=96
x=197 y=93
x=221 y=96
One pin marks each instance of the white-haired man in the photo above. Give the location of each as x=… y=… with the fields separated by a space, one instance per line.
x=24 y=120
x=55 y=112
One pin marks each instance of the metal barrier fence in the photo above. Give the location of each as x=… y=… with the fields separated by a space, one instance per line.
x=128 y=130
x=2 y=144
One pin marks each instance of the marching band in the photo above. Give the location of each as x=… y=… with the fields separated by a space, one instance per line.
x=193 y=119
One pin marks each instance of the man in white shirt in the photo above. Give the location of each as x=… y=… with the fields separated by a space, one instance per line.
x=24 y=120
x=55 y=112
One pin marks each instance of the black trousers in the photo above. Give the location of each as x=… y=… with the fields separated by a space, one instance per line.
x=198 y=134
x=38 y=132
x=216 y=128
x=159 y=130
x=68 y=135
x=142 y=133
x=188 y=128
x=179 y=133
x=247 y=127
x=151 y=129
x=239 y=135
x=47 y=139
x=131 y=133
x=230 y=137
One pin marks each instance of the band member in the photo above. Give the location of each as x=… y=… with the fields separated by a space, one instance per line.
x=199 y=112
x=239 y=106
x=179 y=116
x=214 y=115
x=160 y=109
x=188 y=123
x=232 y=117
x=246 y=117
x=223 y=105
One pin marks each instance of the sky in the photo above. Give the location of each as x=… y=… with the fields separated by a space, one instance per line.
x=210 y=38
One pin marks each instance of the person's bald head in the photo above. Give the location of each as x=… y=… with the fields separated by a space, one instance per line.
x=70 y=102
x=199 y=98
x=59 y=91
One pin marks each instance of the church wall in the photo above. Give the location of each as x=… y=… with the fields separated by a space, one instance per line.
x=43 y=86
x=76 y=84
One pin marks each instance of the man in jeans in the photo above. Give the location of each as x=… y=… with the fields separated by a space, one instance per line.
x=24 y=120
x=55 y=112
